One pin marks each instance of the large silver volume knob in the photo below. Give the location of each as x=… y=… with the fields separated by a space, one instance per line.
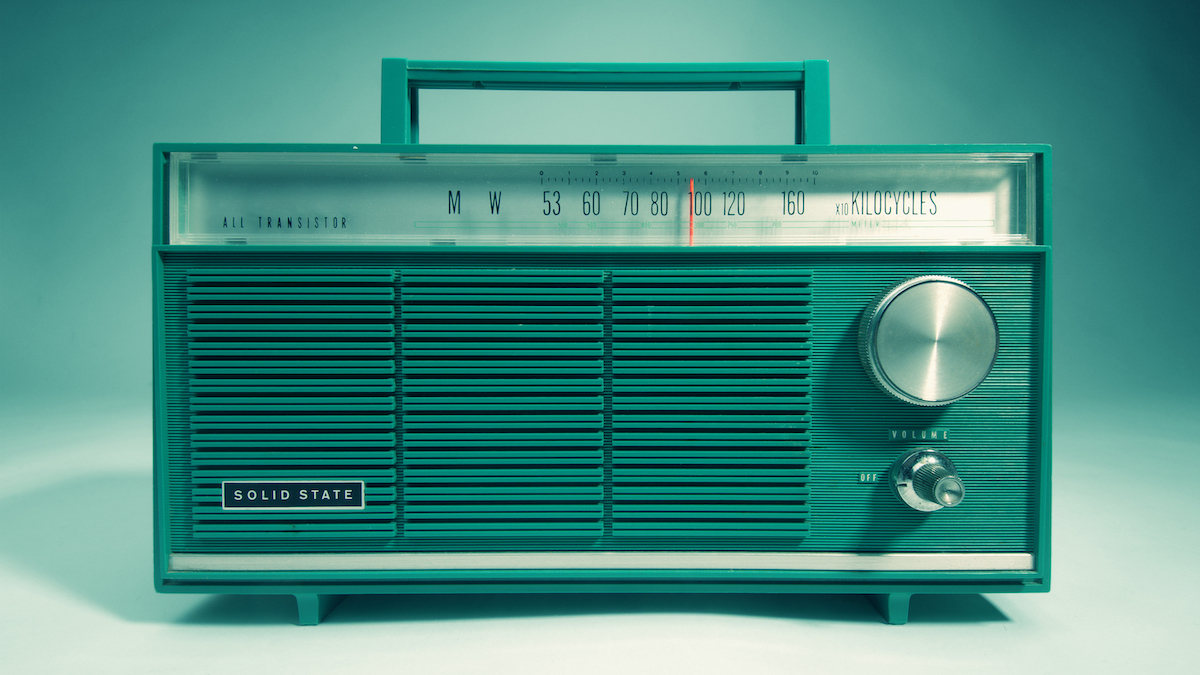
x=929 y=340
x=926 y=480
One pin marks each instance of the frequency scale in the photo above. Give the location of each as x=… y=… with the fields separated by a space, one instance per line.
x=629 y=197
x=408 y=368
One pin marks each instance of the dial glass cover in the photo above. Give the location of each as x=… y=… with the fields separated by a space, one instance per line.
x=445 y=197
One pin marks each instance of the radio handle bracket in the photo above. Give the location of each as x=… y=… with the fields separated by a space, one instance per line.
x=402 y=79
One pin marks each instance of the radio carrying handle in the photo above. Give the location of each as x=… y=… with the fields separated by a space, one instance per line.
x=402 y=79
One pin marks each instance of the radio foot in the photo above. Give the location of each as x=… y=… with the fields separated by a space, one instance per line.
x=893 y=607
x=312 y=608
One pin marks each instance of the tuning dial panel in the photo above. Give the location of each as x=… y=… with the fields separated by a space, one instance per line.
x=929 y=340
x=927 y=480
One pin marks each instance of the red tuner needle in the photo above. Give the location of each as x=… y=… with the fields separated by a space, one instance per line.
x=692 y=212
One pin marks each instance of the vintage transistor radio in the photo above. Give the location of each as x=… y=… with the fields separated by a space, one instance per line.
x=408 y=368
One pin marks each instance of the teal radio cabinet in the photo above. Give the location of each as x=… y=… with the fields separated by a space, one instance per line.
x=408 y=368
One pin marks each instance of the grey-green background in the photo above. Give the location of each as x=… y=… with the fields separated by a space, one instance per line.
x=87 y=87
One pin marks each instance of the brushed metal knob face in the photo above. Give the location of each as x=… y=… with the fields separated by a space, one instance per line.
x=929 y=340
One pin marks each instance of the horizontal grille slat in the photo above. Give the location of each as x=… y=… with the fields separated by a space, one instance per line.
x=291 y=349
x=283 y=456
x=308 y=404
x=350 y=472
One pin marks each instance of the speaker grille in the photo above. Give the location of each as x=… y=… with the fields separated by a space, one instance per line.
x=292 y=377
x=502 y=409
x=710 y=395
x=503 y=405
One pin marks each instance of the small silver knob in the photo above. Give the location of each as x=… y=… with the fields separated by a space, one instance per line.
x=929 y=340
x=927 y=480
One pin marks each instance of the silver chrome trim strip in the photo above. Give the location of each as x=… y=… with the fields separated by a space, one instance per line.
x=588 y=560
